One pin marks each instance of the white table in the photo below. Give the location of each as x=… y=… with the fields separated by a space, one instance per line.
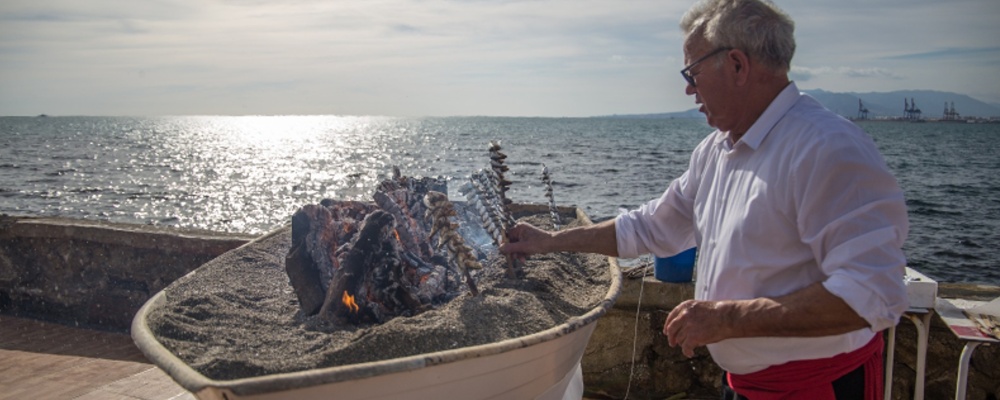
x=951 y=311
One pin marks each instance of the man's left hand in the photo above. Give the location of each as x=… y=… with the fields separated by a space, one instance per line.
x=696 y=323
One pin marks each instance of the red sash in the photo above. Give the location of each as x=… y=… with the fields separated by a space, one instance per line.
x=812 y=379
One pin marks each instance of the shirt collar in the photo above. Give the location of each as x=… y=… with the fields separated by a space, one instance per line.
x=774 y=112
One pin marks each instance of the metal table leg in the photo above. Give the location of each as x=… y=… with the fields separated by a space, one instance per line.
x=923 y=323
x=963 y=369
x=890 y=359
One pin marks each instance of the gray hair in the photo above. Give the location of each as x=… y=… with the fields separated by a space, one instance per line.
x=757 y=27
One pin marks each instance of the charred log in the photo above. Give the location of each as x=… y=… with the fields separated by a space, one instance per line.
x=308 y=266
x=371 y=286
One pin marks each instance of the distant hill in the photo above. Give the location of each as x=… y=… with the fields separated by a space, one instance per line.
x=886 y=104
x=931 y=103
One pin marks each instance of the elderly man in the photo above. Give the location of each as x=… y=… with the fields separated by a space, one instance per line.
x=798 y=222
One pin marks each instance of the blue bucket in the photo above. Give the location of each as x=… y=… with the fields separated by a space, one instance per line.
x=677 y=269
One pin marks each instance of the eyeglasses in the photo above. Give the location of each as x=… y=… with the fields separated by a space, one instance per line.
x=686 y=72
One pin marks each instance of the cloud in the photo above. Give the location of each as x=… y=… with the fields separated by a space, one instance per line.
x=439 y=57
x=326 y=52
x=618 y=58
x=949 y=53
x=803 y=74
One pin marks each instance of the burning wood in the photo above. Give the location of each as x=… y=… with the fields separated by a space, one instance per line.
x=371 y=277
x=317 y=231
x=367 y=263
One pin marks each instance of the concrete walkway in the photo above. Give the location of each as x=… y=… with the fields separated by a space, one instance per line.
x=40 y=360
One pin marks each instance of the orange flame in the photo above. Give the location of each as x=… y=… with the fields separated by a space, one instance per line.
x=395 y=232
x=348 y=301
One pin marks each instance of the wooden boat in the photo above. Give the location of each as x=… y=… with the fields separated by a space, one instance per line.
x=537 y=366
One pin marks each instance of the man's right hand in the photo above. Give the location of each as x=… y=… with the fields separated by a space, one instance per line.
x=525 y=239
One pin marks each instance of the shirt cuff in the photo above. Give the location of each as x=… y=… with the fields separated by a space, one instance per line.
x=880 y=309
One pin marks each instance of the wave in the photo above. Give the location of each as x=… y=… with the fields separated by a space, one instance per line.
x=61 y=172
x=931 y=211
x=956 y=255
x=969 y=243
x=90 y=190
x=915 y=202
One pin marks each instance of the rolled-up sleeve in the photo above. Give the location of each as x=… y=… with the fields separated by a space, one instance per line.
x=662 y=227
x=852 y=215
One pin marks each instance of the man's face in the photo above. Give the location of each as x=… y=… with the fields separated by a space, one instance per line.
x=710 y=89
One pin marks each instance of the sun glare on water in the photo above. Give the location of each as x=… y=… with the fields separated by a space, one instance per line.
x=258 y=164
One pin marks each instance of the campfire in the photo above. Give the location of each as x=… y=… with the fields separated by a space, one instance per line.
x=406 y=252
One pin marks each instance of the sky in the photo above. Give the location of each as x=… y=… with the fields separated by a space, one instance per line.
x=547 y=58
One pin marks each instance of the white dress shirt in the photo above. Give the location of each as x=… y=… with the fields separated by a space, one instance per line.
x=803 y=197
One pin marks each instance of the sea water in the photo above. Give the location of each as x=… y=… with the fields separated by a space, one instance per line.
x=248 y=174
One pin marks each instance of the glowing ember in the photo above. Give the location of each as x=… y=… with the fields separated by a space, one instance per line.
x=348 y=301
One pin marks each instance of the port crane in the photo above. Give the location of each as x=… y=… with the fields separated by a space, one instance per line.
x=862 y=110
x=950 y=114
x=910 y=110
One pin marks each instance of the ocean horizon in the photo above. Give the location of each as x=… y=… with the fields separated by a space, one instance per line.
x=248 y=174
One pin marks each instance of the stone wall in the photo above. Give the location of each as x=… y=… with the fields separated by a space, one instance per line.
x=663 y=372
x=95 y=274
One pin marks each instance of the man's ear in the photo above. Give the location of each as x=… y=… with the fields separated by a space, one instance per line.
x=741 y=66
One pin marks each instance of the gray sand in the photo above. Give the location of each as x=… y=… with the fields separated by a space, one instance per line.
x=240 y=318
